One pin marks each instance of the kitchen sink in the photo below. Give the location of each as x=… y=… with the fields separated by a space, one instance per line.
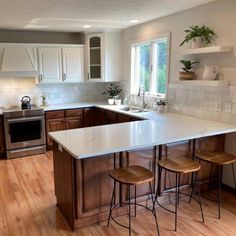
x=134 y=109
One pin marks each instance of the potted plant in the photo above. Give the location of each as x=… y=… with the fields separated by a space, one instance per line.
x=44 y=100
x=187 y=74
x=113 y=91
x=160 y=105
x=200 y=36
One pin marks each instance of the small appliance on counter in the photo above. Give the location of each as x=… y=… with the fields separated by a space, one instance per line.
x=25 y=103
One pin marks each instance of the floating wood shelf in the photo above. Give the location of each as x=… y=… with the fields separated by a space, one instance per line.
x=207 y=50
x=202 y=82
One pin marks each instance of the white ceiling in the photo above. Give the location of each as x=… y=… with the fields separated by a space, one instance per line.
x=71 y=15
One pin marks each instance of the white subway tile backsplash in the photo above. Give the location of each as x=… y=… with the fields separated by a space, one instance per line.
x=12 y=90
x=215 y=103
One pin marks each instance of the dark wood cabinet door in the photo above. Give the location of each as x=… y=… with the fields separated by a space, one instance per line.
x=123 y=118
x=88 y=117
x=111 y=117
x=2 y=138
x=99 y=116
x=54 y=125
x=95 y=184
x=74 y=123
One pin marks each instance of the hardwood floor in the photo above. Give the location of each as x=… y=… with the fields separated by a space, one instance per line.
x=28 y=207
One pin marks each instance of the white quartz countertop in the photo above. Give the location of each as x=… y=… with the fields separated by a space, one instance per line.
x=156 y=130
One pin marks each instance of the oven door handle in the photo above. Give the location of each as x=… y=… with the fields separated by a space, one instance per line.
x=24 y=119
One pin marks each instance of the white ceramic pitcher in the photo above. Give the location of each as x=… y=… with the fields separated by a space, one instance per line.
x=210 y=72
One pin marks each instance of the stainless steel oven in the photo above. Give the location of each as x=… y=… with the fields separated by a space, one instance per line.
x=24 y=132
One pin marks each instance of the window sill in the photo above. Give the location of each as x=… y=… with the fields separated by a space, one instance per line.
x=160 y=96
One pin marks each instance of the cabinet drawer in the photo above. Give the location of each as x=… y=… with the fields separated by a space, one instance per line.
x=74 y=112
x=55 y=114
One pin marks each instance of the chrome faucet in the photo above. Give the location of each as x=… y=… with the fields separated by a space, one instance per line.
x=144 y=104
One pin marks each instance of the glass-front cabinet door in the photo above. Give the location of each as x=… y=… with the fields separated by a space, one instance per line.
x=95 y=57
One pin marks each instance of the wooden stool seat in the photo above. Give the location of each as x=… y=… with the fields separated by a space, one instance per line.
x=218 y=158
x=132 y=175
x=179 y=165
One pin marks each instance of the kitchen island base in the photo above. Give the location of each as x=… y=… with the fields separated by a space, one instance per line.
x=83 y=187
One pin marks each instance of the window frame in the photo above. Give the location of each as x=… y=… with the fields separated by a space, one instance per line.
x=149 y=39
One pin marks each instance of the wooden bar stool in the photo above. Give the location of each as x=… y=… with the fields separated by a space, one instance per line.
x=131 y=176
x=218 y=159
x=180 y=166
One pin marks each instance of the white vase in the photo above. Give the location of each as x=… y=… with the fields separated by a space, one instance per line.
x=161 y=108
x=111 y=101
x=198 y=42
x=118 y=102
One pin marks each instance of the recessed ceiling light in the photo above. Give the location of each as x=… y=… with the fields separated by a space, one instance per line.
x=86 y=26
x=134 y=21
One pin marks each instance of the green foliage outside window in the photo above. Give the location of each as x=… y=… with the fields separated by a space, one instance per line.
x=144 y=59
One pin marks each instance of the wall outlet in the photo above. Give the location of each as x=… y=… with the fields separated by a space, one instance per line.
x=227 y=107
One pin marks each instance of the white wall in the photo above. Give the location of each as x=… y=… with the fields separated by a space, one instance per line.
x=219 y=15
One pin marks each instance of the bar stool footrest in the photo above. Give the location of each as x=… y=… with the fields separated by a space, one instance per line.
x=116 y=206
x=174 y=192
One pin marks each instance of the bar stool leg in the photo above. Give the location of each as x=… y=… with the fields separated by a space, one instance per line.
x=219 y=191
x=233 y=175
x=199 y=197
x=210 y=180
x=179 y=190
x=112 y=202
x=176 y=201
x=158 y=189
x=154 y=209
x=135 y=200
x=193 y=187
x=129 y=211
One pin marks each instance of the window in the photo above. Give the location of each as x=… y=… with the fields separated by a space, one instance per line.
x=149 y=66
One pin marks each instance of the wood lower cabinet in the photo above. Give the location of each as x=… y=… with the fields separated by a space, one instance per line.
x=74 y=118
x=54 y=125
x=2 y=138
x=111 y=117
x=62 y=120
x=81 y=117
x=74 y=123
x=89 y=117
x=123 y=118
x=99 y=116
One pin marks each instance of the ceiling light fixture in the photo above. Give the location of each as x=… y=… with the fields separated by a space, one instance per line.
x=134 y=21
x=86 y=26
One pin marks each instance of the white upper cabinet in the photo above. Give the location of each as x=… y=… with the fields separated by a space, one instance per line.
x=95 y=57
x=73 y=64
x=50 y=65
x=103 y=56
x=61 y=64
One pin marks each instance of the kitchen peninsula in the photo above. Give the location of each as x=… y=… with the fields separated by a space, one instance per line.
x=83 y=157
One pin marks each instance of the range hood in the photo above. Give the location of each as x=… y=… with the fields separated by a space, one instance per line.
x=18 y=61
